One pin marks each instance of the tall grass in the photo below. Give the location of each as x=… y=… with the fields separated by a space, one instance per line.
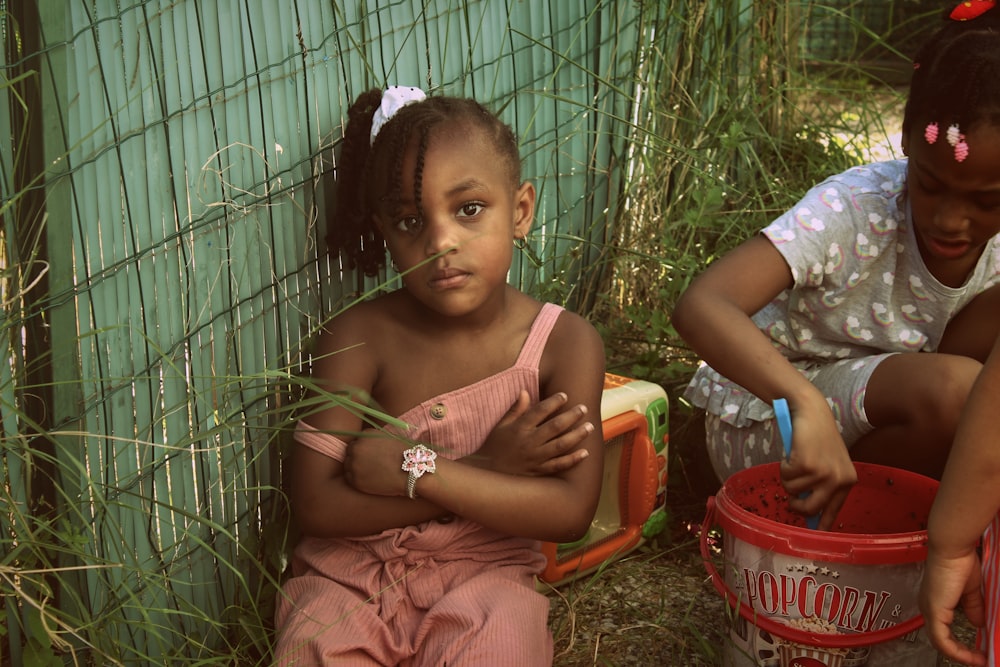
x=739 y=127
x=733 y=128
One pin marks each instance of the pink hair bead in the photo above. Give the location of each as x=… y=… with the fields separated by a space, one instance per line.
x=931 y=132
x=961 y=150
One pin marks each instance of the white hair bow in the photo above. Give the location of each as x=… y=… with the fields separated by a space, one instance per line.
x=393 y=99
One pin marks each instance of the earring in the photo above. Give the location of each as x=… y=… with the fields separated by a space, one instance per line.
x=520 y=242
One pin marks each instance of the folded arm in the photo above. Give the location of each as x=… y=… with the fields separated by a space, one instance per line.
x=547 y=455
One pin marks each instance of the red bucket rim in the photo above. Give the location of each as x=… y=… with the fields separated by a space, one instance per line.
x=841 y=547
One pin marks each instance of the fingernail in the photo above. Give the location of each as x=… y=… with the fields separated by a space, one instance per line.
x=584 y=454
x=583 y=408
x=589 y=427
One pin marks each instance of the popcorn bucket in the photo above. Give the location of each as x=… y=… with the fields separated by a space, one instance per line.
x=809 y=598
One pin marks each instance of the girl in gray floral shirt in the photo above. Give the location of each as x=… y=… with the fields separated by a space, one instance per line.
x=870 y=305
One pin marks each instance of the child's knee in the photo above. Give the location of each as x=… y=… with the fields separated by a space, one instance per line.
x=504 y=625
x=946 y=394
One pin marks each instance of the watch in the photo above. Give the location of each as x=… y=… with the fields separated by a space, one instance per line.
x=416 y=461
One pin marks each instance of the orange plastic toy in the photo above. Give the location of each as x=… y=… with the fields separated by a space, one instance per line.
x=633 y=496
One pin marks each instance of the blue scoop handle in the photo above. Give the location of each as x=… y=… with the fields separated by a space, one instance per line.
x=784 y=418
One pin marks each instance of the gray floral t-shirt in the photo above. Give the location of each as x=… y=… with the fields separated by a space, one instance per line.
x=860 y=286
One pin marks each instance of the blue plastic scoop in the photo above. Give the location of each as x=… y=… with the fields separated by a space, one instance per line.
x=784 y=418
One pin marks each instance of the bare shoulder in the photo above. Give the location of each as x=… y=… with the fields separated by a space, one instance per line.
x=574 y=346
x=356 y=324
x=348 y=350
x=573 y=328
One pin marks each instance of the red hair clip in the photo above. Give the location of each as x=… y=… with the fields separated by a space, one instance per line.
x=970 y=9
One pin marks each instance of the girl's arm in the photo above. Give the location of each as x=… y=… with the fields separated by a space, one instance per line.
x=541 y=439
x=323 y=503
x=967 y=501
x=556 y=508
x=713 y=316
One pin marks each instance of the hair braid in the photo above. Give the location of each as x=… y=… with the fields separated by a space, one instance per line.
x=418 y=171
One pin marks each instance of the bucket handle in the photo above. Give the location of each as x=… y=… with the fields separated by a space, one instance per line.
x=817 y=639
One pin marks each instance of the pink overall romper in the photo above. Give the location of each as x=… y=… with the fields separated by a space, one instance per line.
x=432 y=594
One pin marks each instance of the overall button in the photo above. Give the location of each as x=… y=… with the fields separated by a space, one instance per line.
x=438 y=411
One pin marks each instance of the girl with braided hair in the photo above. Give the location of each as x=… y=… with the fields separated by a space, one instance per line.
x=421 y=535
x=871 y=304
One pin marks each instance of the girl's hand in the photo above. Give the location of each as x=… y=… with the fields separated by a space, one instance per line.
x=373 y=464
x=536 y=440
x=819 y=464
x=949 y=583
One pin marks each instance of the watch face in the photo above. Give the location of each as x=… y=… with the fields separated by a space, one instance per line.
x=419 y=459
x=416 y=461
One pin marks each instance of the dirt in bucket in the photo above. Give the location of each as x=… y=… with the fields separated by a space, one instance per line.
x=884 y=501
